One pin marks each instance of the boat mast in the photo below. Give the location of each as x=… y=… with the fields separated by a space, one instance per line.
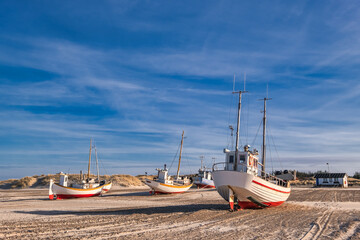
x=89 y=161
x=97 y=165
x=182 y=141
x=238 y=129
x=263 y=157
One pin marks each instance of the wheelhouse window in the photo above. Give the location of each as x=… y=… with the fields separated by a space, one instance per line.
x=231 y=159
x=325 y=180
x=242 y=158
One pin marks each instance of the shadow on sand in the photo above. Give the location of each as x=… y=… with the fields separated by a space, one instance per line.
x=26 y=199
x=118 y=211
x=129 y=194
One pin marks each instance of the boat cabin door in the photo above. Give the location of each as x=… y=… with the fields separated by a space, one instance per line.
x=230 y=159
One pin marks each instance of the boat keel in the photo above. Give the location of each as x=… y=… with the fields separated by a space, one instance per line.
x=261 y=205
x=233 y=201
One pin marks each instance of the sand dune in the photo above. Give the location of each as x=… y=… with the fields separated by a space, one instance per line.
x=43 y=181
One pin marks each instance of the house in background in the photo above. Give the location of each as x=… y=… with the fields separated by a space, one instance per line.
x=287 y=175
x=332 y=179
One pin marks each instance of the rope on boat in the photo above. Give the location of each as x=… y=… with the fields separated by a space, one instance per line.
x=270 y=151
x=280 y=162
x=257 y=132
x=229 y=140
x=187 y=161
x=175 y=157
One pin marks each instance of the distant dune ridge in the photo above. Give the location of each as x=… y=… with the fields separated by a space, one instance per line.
x=43 y=181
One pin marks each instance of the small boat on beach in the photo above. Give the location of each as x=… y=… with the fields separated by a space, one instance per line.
x=241 y=179
x=84 y=187
x=204 y=177
x=164 y=183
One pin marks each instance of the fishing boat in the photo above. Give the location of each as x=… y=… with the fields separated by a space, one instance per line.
x=241 y=179
x=85 y=187
x=204 y=177
x=164 y=183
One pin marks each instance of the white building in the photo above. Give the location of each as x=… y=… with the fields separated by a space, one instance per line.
x=332 y=179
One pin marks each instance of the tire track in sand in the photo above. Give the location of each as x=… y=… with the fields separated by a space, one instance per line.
x=318 y=227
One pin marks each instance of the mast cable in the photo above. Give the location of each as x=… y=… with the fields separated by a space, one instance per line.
x=174 y=157
x=280 y=162
x=247 y=114
x=102 y=164
x=230 y=111
x=257 y=132
x=187 y=161
x=270 y=153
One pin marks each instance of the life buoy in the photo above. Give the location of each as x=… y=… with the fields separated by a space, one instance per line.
x=250 y=161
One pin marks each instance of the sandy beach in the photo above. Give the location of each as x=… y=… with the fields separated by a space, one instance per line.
x=132 y=213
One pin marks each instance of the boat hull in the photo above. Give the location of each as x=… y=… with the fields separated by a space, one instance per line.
x=62 y=192
x=204 y=183
x=249 y=190
x=107 y=187
x=159 y=187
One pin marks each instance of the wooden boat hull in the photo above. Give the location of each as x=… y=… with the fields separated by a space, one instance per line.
x=204 y=183
x=158 y=187
x=251 y=191
x=62 y=192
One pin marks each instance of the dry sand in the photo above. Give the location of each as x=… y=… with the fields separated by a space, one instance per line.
x=126 y=213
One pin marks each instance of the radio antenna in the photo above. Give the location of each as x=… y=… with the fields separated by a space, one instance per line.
x=234 y=83
x=244 y=81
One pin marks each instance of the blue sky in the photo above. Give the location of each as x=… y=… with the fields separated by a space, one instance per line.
x=134 y=74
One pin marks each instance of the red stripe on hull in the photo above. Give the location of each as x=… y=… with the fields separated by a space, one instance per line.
x=204 y=186
x=64 y=196
x=251 y=205
x=269 y=187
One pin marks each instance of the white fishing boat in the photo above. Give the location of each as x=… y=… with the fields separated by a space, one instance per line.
x=241 y=179
x=85 y=187
x=204 y=177
x=164 y=183
x=59 y=191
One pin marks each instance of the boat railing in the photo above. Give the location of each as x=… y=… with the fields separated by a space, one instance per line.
x=215 y=166
x=276 y=180
x=221 y=166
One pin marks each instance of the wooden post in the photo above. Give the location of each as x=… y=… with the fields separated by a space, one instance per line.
x=263 y=156
x=182 y=141
x=89 y=161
